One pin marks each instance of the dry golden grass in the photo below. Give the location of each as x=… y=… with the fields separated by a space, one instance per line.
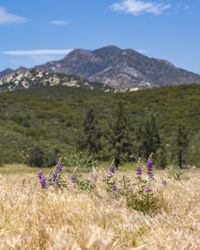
x=32 y=218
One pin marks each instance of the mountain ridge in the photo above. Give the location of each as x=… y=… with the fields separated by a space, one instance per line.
x=122 y=69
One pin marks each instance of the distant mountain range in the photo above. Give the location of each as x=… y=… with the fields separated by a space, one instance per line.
x=120 y=69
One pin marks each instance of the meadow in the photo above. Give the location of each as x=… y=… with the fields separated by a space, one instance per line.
x=77 y=217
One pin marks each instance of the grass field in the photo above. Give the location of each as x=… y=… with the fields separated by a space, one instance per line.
x=35 y=218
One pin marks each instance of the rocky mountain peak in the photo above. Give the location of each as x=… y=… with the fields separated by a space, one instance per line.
x=120 y=69
x=6 y=72
x=107 y=53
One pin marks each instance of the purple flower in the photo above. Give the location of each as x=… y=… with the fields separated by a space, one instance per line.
x=139 y=169
x=42 y=179
x=59 y=166
x=57 y=183
x=73 y=178
x=54 y=175
x=114 y=188
x=43 y=182
x=150 y=168
x=164 y=183
x=40 y=174
x=147 y=189
x=94 y=177
x=130 y=190
x=112 y=169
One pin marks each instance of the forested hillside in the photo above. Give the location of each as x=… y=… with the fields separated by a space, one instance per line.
x=48 y=122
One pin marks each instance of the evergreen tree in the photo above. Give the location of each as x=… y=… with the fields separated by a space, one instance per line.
x=161 y=157
x=89 y=139
x=148 y=137
x=119 y=136
x=181 y=143
x=139 y=141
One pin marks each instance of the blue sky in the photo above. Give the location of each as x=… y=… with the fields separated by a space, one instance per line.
x=35 y=31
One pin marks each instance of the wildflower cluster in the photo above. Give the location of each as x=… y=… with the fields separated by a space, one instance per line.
x=138 y=194
x=109 y=179
x=144 y=199
x=54 y=179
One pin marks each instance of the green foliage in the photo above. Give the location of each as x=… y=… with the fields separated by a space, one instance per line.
x=175 y=174
x=161 y=158
x=86 y=185
x=135 y=193
x=148 y=137
x=78 y=159
x=119 y=135
x=39 y=158
x=36 y=158
x=110 y=182
x=181 y=143
x=89 y=140
x=48 y=117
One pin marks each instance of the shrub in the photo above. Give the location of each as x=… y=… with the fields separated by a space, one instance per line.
x=37 y=157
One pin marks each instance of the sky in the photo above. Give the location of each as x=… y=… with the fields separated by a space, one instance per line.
x=33 y=32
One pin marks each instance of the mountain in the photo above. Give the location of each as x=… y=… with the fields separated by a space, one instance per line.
x=119 y=68
x=23 y=78
x=9 y=71
x=6 y=72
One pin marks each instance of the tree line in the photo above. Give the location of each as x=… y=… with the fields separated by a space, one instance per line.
x=121 y=141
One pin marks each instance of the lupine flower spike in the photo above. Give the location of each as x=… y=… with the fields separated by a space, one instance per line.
x=73 y=179
x=148 y=189
x=112 y=169
x=54 y=176
x=42 y=179
x=139 y=168
x=40 y=174
x=59 y=166
x=114 y=188
x=150 y=167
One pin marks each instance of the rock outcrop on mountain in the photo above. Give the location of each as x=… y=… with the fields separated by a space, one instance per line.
x=36 y=77
x=120 y=69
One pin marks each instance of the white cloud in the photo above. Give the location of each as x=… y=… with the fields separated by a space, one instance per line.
x=7 y=18
x=37 y=52
x=136 y=7
x=40 y=59
x=59 y=22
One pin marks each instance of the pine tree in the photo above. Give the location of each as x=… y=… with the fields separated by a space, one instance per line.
x=89 y=139
x=119 y=137
x=148 y=137
x=181 y=144
x=161 y=157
